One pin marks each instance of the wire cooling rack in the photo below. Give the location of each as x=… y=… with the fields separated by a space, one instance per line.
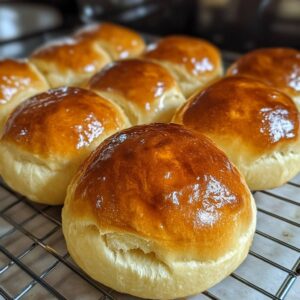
x=35 y=264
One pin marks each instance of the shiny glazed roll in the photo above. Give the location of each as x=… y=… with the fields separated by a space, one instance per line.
x=194 y=62
x=118 y=41
x=48 y=136
x=19 y=80
x=256 y=125
x=277 y=67
x=70 y=61
x=146 y=91
x=157 y=211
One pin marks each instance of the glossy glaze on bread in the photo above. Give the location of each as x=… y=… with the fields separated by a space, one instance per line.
x=119 y=41
x=19 y=80
x=139 y=81
x=72 y=61
x=261 y=116
x=61 y=121
x=278 y=67
x=145 y=90
x=198 y=56
x=166 y=183
x=16 y=76
x=73 y=54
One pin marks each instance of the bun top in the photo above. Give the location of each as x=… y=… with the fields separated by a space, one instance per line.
x=119 y=41
x=167 y=185
x=17 y=76
x=62 y=121
x=72 y=54
x=278 y=67
x=198 y=56
x=139 y=81
x=262 y=117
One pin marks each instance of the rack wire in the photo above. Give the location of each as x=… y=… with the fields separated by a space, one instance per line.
x=35 y=264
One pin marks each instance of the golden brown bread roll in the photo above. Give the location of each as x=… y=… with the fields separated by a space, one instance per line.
x=194 y=62
x=278 y=67
x=256 y=125
x=70 y=61
x=157 y=211
x=145 y=90
x=120 y=42
x=47 y=137
x=19 y=80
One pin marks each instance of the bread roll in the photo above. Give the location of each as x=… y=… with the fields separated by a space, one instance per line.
x=256 y=125
x=48 y=136
x=19 y=80
x=194 y=62
x=120 y=42
x=145 y=90
x=277 y=67
x=70 y=61
x=157 y=211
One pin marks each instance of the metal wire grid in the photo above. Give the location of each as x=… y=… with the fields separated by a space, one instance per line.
x=18 y=215
x=34 y=262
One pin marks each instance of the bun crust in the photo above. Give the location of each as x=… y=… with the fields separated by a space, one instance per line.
x=250 y=121
x=139 y=195
x=48 y=136
x=277 y=67
x=19 y=80
x=120 y=42
x=69 y=61
x=145 y=90
x=61 y=121
x=194 y=62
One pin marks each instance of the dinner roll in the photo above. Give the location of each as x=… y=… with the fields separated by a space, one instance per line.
x=145 y=90
x=48 y=136
x=157 y=211
x=278 y=67
x=120 y=42
x=194 y=62
x=256 y=125
x=70 y=61
x=19 y=80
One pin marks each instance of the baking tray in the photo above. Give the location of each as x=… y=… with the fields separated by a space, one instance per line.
x=35 y=264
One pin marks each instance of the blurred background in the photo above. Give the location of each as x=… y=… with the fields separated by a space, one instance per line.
x=234 y=25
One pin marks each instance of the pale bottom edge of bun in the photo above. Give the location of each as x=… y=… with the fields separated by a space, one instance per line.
x=34 y=177
x=271 y=171
x=120 y=261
